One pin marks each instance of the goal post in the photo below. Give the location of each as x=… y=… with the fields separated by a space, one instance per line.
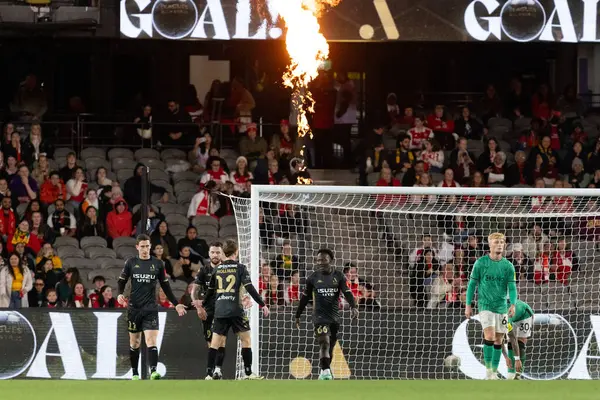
x=407 y=252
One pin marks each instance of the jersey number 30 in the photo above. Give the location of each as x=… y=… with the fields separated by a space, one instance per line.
x=230 y=280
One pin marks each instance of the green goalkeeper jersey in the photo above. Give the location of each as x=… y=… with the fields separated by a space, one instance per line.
x=493 y=279
x=522 y=312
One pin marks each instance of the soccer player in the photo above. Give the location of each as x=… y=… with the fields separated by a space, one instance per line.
x=520 y=327
x=142 y=312
x=493 y=275
x=225 y=284
x=325 y=286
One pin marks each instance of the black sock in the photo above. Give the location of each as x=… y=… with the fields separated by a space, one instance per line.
x=153 y=357
x=325 y=363
x=220 y=357
x=247 y=357
x=212 y=355
x=134 y=358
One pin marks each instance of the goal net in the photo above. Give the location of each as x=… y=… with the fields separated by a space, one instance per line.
x=407 y=254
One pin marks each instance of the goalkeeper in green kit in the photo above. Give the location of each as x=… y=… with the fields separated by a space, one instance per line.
x=492 y=276
x=520 y=327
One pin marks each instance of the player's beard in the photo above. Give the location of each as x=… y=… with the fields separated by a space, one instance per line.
x=215 y=261
x=327 y=269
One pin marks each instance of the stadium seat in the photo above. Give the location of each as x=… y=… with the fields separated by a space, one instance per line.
x=173 y=153
x=184 y=197
x=153 y=163
x=229 y=230
x=146 y=153
x=95 y=272
x=112 y=272
x=93 y=152
x=108 y=262
x=69 y=251
x=61 y=162
x=123 y=241
x=120 y=153
x=201 y=220
x=185 y=186
x=21 y=208
x=178 y=230
x=65 y=240
x=121 y=163
x=175 y=165
x=169 y=208
x=185 y=176
x=163 y=184
x=207 y=230
x=156 y=199
x=177 y=219
x=85 y=263
x=95 y=163
x=372 y=178
x=522 y=124
x=157 y=174
x=227 y=221
x=97 y=252
x=90 y=241
x=62 y=152
x=126 y=252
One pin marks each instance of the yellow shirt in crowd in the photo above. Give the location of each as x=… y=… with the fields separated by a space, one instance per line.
x=17 y=283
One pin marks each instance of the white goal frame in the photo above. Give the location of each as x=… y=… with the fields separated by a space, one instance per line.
x=258 y=190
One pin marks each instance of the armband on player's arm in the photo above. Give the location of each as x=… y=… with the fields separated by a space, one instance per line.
x=254 y=294
x=168 y=292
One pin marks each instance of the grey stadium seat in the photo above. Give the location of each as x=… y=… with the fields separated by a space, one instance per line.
x=90 y=152
x=207 y=230
x=146 y=153
x=173 y=153
x=201 y=220
x=157 y=174
x=123 y=163
x=94 y=252
x=21 y=208
x=185 y=197
x=185 y=186
x=227 y=220
x=123 y=175
x=95 y=163
x=62 y=152
x=230 y=230
x=169 y=208
x=186 y=176
x=153 y=163
x=120 y=153
x=79 y=263
x=92 y=241
x=177 y=219
x=177 y=229
x=69 y=251
x=123 y=241
x=126 y=252
x=95 y=272
x=65 y=240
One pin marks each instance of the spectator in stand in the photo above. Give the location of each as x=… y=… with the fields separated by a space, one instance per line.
x=66 y=172
x=35 y=146
x=473 y=250
x=412 y=176
x=421 y=276
x=523 y=264
x=154 y=218
x=490 y=105
x=4 y=190
x=351 y=273
x=576 y=151
x=213 y=93
x=198 y=247
x=53 y=189
x=387 y=179
x=162 y=236
x=293 y=290
x=443 y=291
x=163 y=301
x=578 y=178
x=564 y=262
x=468 y=127
x=76 y=188
x=33 y=206
x=539 y=171
x=198 y=156
x=291 y=221
x=61 y=221
x=442 y=126
x=275 y=176
x=184 y=268
x=159 y=252
x=47 y=253
x=286 y=262
x=424 y=181
x=192 y=105
x=373 y=157
x=41 y=172
x=541 y=266
x=535 y=241
x=569 y=104
x=79 y=298
x=215 y=173
x=461 y=162
x=345 y=115
x=52 y=299
x=106 y=300
x=252 y=146
x=595 y=181
x=23 y=235
x=392 y=109
x=23 y=188
x=579 y=135
x=98 y=282
x=176 y=133
x=92 y=225
x=133 y=188
x=186 y=299
x=64 y=288
x=518 y=104
x=243 y=102
x=550 y=172
x=36 y=297
x=144 y=127
x=542 y=103
x=403 y=158
x=448 y=180
x=26 y=254
x=264 y=278
x=8 y=219
x=119 y=220
x=545 y=150
x=432 y=156
x=40 y=229
x=415 y=254
x=419 y=133
x=101 y=178
x=14 y=148
x=283 y=144
x=497 y=173
x=408 y=119
x=367 y=298
x=593 y=161
x=486 y=159
x=204 y=202
x=90 y=200
x=7 y=131
x=16 y=281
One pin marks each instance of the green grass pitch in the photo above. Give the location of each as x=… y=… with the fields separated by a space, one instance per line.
x=292 y=390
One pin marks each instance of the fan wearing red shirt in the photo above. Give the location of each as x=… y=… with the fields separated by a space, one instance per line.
x=386 y=179
x=293 y=290
x=564 y=262
x=352 y=280
x=419 y=133
x=443 y=127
